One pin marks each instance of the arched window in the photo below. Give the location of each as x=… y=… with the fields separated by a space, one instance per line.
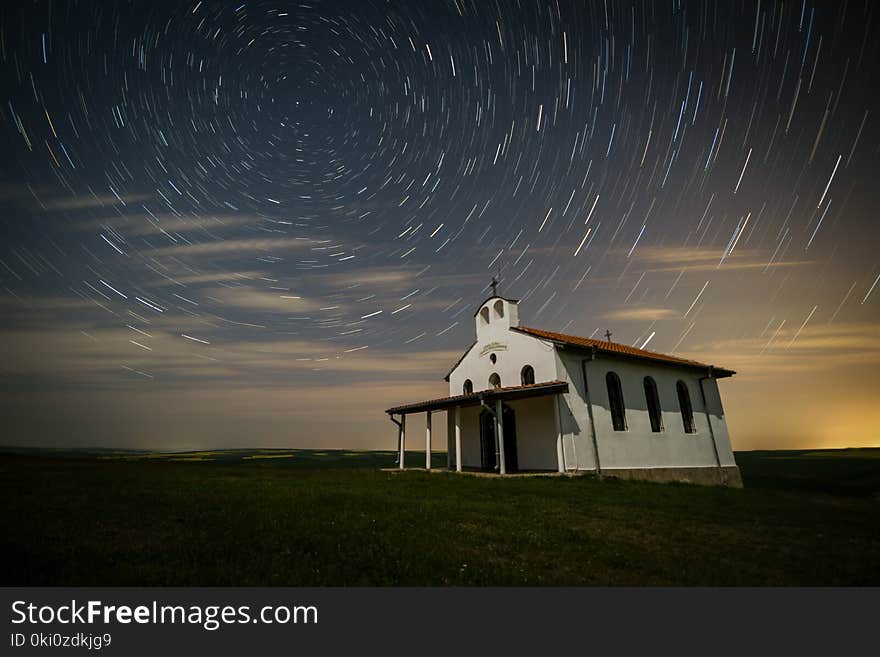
x=484 y=315
x=499 y=308
x=652 y=398
x=527 y=375
x=687 y=411
x=494 y=380
x=468 y=387
x=615 y=401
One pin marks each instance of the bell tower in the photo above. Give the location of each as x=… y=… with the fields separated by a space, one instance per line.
x=496 y=315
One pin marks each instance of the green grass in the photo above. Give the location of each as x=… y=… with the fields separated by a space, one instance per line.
x=335 y=518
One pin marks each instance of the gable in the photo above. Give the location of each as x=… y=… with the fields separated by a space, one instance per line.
x=504 y=353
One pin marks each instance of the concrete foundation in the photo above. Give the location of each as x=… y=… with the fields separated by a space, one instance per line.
x=727 y=475
x=709 y=476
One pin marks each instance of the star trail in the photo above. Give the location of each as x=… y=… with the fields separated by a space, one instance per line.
x=262 y=223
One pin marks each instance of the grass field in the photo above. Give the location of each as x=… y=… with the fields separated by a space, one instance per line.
x=297 y=517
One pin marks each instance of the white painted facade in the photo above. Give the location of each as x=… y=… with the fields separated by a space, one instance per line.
x=573 y=431
x=638 y=446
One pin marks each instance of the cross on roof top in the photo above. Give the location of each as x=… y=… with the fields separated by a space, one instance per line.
x=608 y=335
x=494 y=285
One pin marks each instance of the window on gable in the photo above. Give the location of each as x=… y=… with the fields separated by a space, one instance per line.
x=494 y=381
x=527 y=375
x=468 y=387
x=652 y=399
x=687 y=411
x=615 y=401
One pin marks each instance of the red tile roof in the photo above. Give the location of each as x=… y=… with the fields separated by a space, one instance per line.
x=617 y=348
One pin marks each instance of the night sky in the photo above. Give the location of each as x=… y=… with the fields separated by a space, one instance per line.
x=262 y=223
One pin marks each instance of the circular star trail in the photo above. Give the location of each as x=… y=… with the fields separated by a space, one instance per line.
x=271 y=189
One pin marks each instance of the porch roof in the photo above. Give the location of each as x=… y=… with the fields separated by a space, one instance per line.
x=511 y=393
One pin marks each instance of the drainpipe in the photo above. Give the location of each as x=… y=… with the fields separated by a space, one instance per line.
x=590 y=408
x=710 y=375
x=560 y=448
x=398 y=423
x=497 y=447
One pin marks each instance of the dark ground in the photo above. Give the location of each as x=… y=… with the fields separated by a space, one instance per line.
x=298 y=517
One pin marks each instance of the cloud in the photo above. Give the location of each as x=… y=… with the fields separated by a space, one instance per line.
x=41 y=303
x=642 y=314
x=48 y=199
x=816 y=349
x=670 y=258
x=234 y=247
x=40 y=311
x=92 y=201
x=176 y=353
x=251 y=298
x=682 y=255
x=142 y=225
x=385 y=277
x=212 y=277
x=381 y=363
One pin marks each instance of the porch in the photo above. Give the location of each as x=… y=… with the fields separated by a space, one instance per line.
x=476 y=472
x=486 y=422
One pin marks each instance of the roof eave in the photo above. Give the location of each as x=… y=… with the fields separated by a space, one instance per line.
x=475 y=398
x=717 y=372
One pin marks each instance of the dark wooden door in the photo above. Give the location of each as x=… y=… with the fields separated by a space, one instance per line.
x=488 y=455
x=508 y=417
x=487 y=441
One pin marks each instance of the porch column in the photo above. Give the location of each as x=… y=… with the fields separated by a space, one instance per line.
x=458 y=438
x=428 y=441
x=499 y=432
x=402 y=431
x=560 y=453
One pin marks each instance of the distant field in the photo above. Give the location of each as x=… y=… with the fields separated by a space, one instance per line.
x=300 y=517
x=851 y=472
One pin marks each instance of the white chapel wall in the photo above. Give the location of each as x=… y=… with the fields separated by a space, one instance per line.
x=470 y=436
x=719 y=424
x=639 y=446
x=535 y=433
x=577 y=437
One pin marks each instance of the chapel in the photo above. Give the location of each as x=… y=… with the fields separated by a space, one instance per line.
x=524 y=399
